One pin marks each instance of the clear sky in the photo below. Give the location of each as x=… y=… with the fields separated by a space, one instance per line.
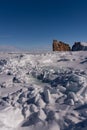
x=33 y=24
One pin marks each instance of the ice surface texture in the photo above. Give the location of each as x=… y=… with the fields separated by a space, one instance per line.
x=45 y=91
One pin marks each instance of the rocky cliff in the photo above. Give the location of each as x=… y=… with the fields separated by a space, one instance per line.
x=60 y=46
x=79 y=46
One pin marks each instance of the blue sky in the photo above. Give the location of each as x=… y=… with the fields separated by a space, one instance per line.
x=33 y=24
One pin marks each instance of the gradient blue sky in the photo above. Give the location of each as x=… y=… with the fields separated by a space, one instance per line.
x=33 y=24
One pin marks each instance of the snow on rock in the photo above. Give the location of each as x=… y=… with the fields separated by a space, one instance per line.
x=78 y=46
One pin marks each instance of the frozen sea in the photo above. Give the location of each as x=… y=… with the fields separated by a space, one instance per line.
x=43 y=91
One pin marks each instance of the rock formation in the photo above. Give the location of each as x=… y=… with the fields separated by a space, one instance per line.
x=60 y=46
x=78 y=46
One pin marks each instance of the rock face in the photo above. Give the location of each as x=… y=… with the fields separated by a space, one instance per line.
x=60 y=46
x=78 y=46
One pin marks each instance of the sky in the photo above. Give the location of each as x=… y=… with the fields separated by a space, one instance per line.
x=33 y=24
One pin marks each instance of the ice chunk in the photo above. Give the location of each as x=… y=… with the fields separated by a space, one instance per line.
x=11 y=117
x=33 y=108
x=47 y=95
x=41 y=114
x=73 y=96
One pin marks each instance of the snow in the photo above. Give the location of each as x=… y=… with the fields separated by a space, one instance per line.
x=84 y=43
x=45 y=91
x=10 y=117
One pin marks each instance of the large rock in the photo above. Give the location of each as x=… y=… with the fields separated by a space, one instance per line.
x=60 y=46
x=79 y=46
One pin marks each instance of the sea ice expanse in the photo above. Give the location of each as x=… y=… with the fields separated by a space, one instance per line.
x=46 y=91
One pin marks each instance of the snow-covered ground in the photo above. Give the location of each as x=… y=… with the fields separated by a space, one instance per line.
x=46 y=91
